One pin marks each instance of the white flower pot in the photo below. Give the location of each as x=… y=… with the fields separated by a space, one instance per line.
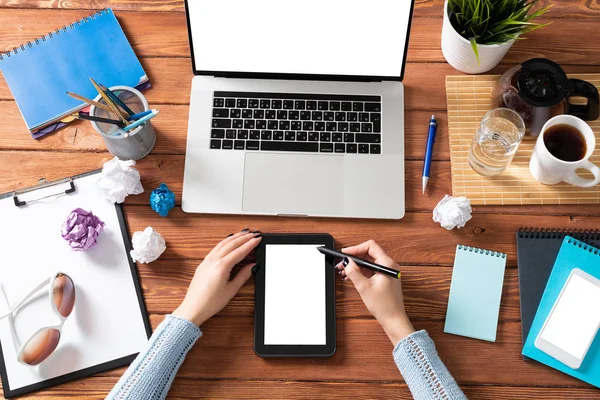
x=458 y=51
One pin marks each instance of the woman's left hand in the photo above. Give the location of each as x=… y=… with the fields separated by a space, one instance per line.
x=211 y=289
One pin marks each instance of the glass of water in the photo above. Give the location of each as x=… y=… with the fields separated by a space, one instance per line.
x=496 y=141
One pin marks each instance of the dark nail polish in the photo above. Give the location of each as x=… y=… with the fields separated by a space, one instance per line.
x=230 y=235
x=245 y=230
x=254 y=269
x=345 y=261
x=257 y=235
x=255 y=231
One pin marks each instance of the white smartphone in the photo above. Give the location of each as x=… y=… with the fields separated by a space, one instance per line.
x=573 y=322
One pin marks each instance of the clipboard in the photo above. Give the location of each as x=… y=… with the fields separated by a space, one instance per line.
x=59 y=194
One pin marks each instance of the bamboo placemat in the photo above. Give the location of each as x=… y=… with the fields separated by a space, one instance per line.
x=469 y=98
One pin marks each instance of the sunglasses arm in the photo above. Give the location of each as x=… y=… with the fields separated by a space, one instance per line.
x=20 y=303
x=15 y=340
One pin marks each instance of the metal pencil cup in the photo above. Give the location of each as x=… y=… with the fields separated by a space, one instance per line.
x=132 y=145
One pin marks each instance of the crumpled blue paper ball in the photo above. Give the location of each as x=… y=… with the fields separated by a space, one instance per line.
x=162 y=200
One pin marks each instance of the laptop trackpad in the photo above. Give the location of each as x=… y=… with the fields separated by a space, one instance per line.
x=293 y=184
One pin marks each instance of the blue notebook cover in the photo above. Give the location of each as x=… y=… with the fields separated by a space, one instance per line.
x=573 y=254
x=475 y=293
x=39 y=73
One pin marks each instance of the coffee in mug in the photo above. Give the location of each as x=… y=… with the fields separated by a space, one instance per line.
x=565 y=145
x=565 y=142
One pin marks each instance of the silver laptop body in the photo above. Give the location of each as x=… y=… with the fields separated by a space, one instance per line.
x=245 y=153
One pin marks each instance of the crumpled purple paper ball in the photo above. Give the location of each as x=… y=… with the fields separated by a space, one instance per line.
x=81 y=228
x=162 y=200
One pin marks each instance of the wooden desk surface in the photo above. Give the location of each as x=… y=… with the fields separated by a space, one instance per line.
x=223 y=364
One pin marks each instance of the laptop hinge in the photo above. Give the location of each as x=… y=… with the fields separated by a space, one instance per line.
x=295 y=77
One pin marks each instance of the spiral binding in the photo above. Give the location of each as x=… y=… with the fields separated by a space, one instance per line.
x=558 y=233
x=584 y=246
x=52 y=34
x=481 y=251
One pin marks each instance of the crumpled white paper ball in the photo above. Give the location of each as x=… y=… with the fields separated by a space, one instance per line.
x=148 y=245
x=119 y=179
x=452 y=212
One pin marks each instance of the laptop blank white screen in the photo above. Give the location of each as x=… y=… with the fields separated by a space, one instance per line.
x=326 y=37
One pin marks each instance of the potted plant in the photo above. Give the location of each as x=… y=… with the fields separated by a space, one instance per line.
x=476 y=34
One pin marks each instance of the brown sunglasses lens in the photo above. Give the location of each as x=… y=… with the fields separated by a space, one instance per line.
x=64 y=294
x=40 y=346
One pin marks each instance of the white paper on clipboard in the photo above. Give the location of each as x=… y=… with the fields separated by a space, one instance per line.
x=108 y=321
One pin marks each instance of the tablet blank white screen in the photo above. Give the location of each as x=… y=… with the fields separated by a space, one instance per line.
x=294 y=295
x=575 y=318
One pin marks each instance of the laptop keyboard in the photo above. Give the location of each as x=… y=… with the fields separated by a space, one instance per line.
x=314 y=123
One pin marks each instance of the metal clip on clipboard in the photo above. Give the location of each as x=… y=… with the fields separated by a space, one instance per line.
x=43 y=185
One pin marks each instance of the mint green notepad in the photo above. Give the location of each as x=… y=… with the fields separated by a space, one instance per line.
x=475 y=292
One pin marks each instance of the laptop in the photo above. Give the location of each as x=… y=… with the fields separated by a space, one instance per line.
x=297 y=107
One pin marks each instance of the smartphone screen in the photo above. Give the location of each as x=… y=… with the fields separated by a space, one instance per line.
x=295 y=302
x=575 y=318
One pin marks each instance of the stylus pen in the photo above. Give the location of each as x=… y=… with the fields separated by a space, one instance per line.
x=360 y=262
x=429 y=151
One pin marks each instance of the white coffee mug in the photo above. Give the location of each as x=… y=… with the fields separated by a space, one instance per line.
x=550 y=170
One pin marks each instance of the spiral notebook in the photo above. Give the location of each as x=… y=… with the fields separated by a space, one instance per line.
x=573 y=254
x=41 y=71
x=536 y=253
x=475 y=293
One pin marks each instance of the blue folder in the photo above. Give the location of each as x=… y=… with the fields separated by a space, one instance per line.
x=40 y=72
x=573 y=254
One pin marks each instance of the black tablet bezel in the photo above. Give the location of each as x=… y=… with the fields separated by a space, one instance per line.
x=260 y=348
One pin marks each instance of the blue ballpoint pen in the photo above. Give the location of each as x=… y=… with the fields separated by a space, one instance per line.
x=429 y=151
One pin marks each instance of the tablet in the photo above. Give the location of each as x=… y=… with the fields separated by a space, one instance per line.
x=294 y=313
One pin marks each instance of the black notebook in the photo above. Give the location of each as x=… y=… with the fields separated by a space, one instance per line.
x=537 y=250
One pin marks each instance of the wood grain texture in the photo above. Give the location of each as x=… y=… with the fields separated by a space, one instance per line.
x=364 y=355
x=146 y=34
x=171 y=127
x=425 y=291
x=217 y=389
x=423 y=8
x=157 y=169
x=424 y=82
x=223 y=364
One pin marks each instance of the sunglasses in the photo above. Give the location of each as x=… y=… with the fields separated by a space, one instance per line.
x=44 y=341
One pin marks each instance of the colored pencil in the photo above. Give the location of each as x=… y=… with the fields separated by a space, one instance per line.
x=88 y=101
x=98 y=119
x=110 y=103
x=116 y=100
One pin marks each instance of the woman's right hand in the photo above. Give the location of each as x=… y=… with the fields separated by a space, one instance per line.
x=382 y=294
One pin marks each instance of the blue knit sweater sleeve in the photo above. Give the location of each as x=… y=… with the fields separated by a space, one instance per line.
x=423 y=371
x=151 y=374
